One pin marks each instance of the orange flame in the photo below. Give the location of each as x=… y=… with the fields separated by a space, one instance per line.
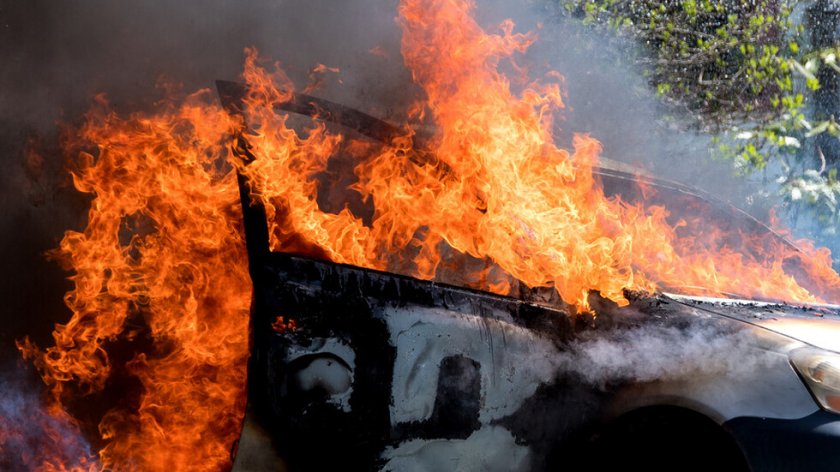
x=489 y=199
x=500 y=190
x=161 y=260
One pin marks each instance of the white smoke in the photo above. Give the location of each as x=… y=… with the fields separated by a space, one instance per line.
x=662 y=353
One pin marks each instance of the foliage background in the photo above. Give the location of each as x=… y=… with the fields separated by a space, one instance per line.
x=759 y=76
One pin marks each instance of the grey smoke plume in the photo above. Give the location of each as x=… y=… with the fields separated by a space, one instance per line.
x=56 y=55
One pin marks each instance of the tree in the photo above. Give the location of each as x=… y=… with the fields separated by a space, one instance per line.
x=745 y=71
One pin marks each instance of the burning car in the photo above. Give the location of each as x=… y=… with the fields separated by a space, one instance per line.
x=462 y=287
x=370 y=370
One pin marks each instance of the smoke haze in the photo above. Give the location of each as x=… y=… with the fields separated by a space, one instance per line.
x=56 y=56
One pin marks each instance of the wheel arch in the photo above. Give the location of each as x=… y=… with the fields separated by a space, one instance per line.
x=656 y=437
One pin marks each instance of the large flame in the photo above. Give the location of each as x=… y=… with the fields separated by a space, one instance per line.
x=161 y=285
x=500 y=189
x=161 y=264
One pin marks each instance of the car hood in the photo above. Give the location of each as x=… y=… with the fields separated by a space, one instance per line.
x=817 y=325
